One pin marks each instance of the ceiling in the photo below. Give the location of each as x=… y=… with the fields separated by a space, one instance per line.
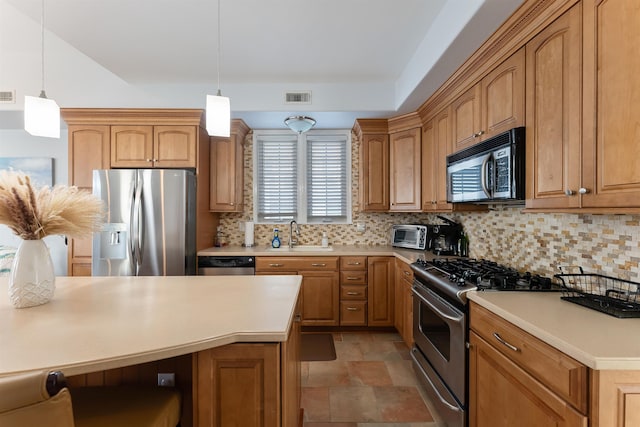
x=358 y=58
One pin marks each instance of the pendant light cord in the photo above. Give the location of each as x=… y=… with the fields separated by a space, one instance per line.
x=218 y=62
x=42 y=94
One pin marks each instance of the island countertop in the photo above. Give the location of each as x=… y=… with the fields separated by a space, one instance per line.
x=599 y=341
x=98 y=323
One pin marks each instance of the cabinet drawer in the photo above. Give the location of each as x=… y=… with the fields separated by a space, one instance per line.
x=353 y=277
x=353 y=263
x=350 y=292
x=296 y=263
x=562 y=374
x=353 y=313
x=405 y=270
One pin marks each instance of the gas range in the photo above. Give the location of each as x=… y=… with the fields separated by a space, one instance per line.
x=456 y=276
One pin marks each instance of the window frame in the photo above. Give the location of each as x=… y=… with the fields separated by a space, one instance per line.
x=302 y=212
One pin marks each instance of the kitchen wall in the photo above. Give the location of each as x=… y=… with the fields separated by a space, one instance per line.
x=18 y=143
x=527 y=241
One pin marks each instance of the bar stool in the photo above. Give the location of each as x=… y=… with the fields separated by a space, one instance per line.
x=43 y=399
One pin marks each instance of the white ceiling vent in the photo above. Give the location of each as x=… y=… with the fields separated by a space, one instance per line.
x=298 y=97
x=7 y=96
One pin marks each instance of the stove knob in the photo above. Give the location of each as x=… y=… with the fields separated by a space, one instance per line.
x=453 y=278
x=461 y=281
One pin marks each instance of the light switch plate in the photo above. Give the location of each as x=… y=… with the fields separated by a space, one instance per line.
x=360 y=227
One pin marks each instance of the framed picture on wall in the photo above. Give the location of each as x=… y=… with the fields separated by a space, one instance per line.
x=39 y=169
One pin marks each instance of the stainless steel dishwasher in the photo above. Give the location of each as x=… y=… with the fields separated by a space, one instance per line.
x=218 y=265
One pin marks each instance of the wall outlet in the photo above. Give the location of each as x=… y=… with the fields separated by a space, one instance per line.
x=360 y=227
x=167 y=380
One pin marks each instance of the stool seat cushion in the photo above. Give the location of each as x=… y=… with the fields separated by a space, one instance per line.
x=126 y=406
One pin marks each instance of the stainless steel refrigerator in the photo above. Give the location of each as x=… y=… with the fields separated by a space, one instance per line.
x=150 y=227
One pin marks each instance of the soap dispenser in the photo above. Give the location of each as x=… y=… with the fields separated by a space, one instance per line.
x=275 y=243
x=325 y=240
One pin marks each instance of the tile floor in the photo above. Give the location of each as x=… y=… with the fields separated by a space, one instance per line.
x=370 y=384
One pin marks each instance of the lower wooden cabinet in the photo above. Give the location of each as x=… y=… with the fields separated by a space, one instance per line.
x=615 y=398
x=249 y=384
x=380 y=278
x=403 y=316
x=353 y=291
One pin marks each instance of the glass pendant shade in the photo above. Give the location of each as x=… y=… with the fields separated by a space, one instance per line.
x=41 y=116
x=218 y=117
x=299 y=124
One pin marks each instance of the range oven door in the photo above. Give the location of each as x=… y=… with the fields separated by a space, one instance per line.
x=439 y=332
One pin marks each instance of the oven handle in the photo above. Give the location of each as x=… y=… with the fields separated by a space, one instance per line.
x=435 y=389
x=456 y=319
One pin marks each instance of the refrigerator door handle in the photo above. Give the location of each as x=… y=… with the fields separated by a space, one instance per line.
x=135 y=225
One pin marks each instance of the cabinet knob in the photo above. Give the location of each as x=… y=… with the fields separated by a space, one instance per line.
x=406 y=273
x=569 y=192
x=149 y=160
x=478 y=134
x=583 y=190
x=231 y=204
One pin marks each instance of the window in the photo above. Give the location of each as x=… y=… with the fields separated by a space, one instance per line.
x=302 y=177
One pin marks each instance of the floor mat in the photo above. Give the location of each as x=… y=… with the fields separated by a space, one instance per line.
x=317 y=347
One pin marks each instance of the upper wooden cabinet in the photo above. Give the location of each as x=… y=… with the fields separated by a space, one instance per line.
x=374 y=164
x=405 y=163
x=554 y=113
x=611 y=100
x=153 y=146
x=494 y=105
x=436 y=145
x=227 y=170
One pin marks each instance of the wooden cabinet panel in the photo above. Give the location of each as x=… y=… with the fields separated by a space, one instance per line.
x=353 y=292
x=524 y=401
x=554 y=105
x=442 y=129
x=404 y=301
x=380 y=307
x=227 y=170
x=502 y=96
x=238 y=384
x=465 y=122
x=560 y=373
x=320 y=298
x=429 y=153
x=353 y=263
x=615 y=398
x=353 y=313
x=611 y=100
x=374 y=173
x=293 y=263
x=404 y=170
x=353 y=277
x=174 y=146
x=291 y=374
x=131 y=146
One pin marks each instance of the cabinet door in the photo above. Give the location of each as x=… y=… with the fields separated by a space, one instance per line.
x=404 y=170
x=88 y=150
x=291 y=375
x=398 y=289
x=132 y=146
x=380 y=296
x=553 y=113
x=429 y=169
x=237 y=385
x=465 y=123
x=320 y=298
x=442 y=127
x=616 y=398
x=502 y=96
x=227 y=160
x=174 y=146
x=408 y=312
x=374 y=173
x=611 y=100
x=523 y=401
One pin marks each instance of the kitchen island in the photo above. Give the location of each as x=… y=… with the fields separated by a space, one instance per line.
x=96 y=324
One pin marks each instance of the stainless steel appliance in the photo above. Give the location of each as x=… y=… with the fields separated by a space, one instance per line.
x=445 y=239
x=440 y=324
x=411 y=236
x=220 y=265
x=490 y=171
x=150 y=226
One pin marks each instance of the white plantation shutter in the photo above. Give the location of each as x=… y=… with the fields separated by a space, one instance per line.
x=277 y=178
x=302 y=177
x=326 y=179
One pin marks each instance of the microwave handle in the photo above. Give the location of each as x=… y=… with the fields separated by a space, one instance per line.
x=483 y=174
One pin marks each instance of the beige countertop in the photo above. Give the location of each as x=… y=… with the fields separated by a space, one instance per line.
x=406 y=255
x=97 y=323
x=595 y=339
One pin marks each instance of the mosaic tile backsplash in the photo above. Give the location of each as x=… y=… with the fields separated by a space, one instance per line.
x=607 y=244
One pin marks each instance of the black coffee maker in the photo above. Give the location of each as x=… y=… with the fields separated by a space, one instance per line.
x=446 y=239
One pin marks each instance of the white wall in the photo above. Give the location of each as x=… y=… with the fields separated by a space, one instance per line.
x=18 y=143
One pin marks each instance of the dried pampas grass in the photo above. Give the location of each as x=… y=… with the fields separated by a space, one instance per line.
x=32 y=214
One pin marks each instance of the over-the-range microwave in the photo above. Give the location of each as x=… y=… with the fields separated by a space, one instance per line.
x=492 y=171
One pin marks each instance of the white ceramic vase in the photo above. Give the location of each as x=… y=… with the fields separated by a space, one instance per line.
x=32 y=279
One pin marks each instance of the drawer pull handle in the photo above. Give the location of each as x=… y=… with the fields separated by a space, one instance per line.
x=353 y=263
x=502 y=341
x=406 y=273
x=353 y=278
x=353 y=293
x=352 y=308
x=276 y=265
x=319 y=264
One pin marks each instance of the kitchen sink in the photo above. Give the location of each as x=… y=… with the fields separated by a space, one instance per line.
x=302 y=248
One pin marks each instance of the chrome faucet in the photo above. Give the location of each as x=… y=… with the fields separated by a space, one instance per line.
x=292 y=230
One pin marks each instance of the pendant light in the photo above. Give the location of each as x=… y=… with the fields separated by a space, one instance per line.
x=218 y=116
x=42 y=115
x=299 y=124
